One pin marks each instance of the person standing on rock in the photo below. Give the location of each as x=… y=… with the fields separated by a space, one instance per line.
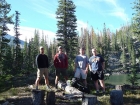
x=81 y=66
x=61 y=65
x=42 y=68
x=96 y=66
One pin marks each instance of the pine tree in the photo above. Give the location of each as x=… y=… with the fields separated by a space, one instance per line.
x=66 y=24
x=133 y=77
x=114 y=42
x=105 y=45
x=31 y=55
x=87 y=44
x=93 y=39
x=105 y=41
x=25 y=56
x=123 y=57
x=35 y=45
x=5 y=8
x=17 y=50
x=136 y=19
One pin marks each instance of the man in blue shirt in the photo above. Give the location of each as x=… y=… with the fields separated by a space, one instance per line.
x=96 y=66
x=81 y=66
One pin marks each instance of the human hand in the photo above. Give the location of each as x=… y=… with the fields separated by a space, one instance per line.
x=86 y=70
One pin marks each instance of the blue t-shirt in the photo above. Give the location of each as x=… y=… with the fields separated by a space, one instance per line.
x=96 y=62
x=81 y=61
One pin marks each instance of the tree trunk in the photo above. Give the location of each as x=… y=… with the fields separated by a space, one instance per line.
x=116 y=97
x=50 y=99
x=38 y=97
x=89 y=100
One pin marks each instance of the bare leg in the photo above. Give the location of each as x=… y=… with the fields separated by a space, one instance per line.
x=37 y=82
x=85 y=82
x=56 y=81
x=102 y=84
x=96 y=85
x=46 y=81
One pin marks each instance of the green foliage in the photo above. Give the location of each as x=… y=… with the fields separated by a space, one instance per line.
x=133 y=77
x=87 y=44
x=123 y=58
x=17 y=55
x=136 y=18
x=13 y=91
x=66 y=24
x=4 y=20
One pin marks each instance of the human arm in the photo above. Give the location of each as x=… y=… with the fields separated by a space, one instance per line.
x=36 y=60
x=90 y=64
x=87 y=64
x=87 y=68
x=55 y=61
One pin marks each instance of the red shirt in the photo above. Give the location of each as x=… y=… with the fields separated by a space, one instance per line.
x=60 y=60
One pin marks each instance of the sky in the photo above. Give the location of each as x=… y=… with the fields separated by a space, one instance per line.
x=40 y=15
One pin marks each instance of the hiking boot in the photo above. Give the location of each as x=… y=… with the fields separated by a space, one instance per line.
x=97 y=92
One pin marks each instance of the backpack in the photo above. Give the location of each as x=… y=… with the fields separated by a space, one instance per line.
x=76 y=83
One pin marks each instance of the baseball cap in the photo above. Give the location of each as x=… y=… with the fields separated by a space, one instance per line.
x=41 y=47
x=59 y=47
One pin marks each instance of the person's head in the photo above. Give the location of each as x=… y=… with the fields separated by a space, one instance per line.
x=60 y=49
x=81 y=50
x=94 y=51
x=41 y=50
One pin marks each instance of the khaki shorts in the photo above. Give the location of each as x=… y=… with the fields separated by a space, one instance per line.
x=80 y=72
x=42 y=72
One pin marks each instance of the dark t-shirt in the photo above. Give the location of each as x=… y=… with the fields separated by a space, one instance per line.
x=96 y=62
x=42 y=61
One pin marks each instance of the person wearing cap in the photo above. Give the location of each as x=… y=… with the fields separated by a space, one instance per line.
x=42 y=68
x=81 y=66
x=61 y=65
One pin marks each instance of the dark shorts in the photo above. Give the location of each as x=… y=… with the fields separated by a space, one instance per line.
x=61 y=71
x=99 y=75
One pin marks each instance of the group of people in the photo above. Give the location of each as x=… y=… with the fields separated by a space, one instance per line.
x=95 y=64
